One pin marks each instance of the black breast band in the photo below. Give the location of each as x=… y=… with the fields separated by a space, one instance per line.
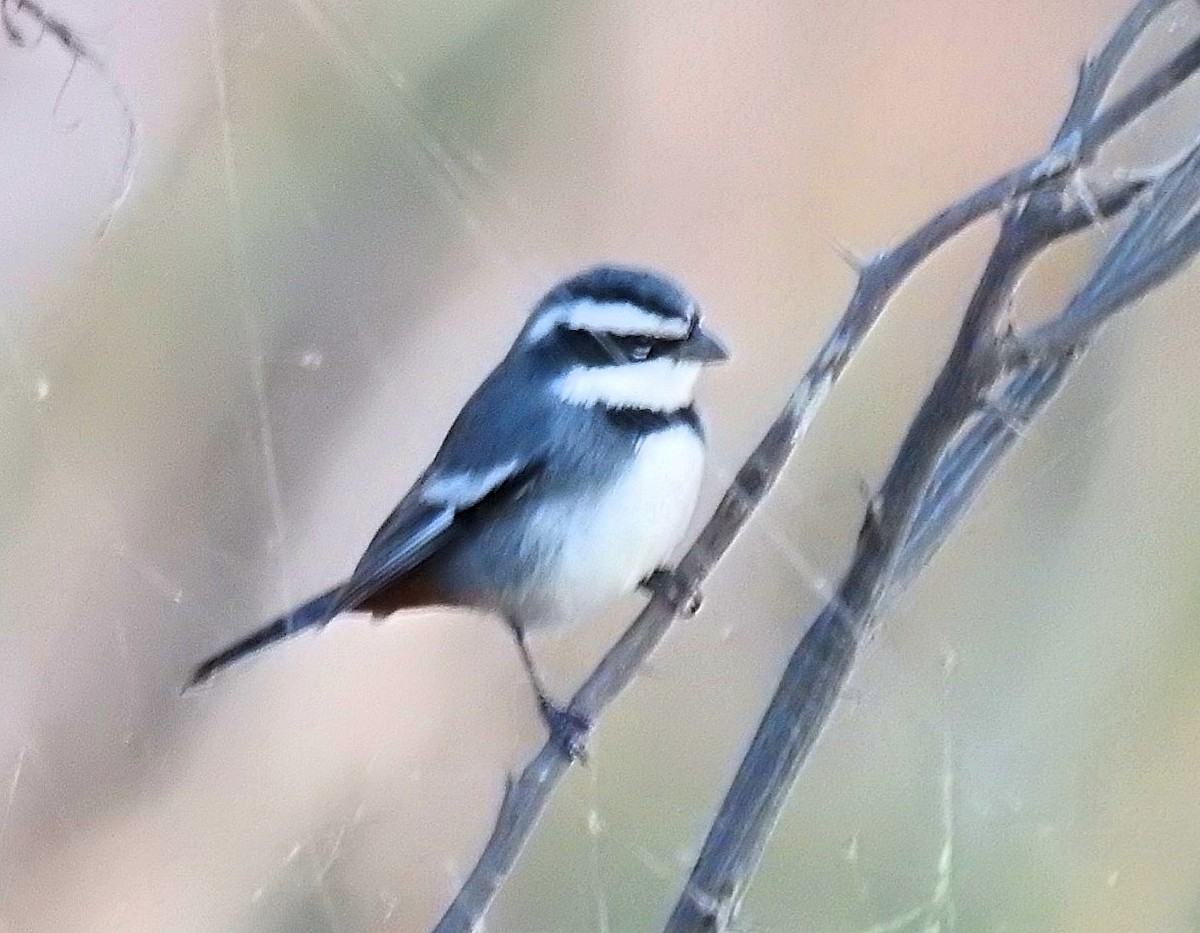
x=648 y=421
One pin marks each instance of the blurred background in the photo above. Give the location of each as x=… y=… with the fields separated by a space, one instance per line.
x=342 y=210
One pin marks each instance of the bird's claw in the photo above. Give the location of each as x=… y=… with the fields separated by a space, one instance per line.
x=668 y=584
x=568 y=731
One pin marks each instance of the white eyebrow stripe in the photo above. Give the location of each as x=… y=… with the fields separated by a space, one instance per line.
x=462 y=490
x=620 y=318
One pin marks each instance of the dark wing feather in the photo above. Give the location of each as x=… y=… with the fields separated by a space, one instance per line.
x=498 y=443
x=428 y=519
x=413 y=532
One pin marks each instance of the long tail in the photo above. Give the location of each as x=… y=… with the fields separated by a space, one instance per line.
x=315 y=612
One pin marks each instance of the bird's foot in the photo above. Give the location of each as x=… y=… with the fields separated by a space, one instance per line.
x=568 y=731
x=667 y=583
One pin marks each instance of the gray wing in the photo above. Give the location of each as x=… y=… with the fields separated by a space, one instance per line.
x=496 y=447
x=427 y=519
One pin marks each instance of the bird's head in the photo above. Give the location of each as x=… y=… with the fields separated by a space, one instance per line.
x=620 y=337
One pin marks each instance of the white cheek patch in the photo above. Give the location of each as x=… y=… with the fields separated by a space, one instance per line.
x=655 y=385
x=619 y=318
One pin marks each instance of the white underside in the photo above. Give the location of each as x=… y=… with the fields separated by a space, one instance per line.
x=622 y=535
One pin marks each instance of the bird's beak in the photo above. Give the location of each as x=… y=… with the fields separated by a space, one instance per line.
x=702 y=347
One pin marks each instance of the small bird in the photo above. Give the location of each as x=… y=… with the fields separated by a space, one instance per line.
x=564 y=483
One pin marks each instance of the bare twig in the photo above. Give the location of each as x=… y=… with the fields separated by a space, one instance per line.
x=1096 y=74
x=1163 y=236
x=963 y=468
x=79 y=51
x=971 y=416
x=879 y=277
x=1000 y=421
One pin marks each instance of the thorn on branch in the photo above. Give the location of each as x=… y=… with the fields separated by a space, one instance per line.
x=1065 y=156
x=856 y=261
x=1072 y=208
x=873 y=514
x=1079 y=189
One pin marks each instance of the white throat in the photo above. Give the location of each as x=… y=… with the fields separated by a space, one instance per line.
x=655 y=385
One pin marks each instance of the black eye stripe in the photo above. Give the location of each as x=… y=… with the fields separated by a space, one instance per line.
x=585 y=346
x=628 y=342
x=598 y=349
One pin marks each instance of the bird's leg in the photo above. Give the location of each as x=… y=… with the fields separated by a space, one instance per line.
x=666 y=582
x=567 y=730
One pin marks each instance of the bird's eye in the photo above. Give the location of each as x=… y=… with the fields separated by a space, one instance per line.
x=640 y=351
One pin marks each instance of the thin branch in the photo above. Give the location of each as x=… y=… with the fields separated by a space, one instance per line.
x=1163 y=236
x=1096 y=74
x=879 y=277
x=79 y=51
x=963 y=469
x=948 y=451
x=959 y=477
